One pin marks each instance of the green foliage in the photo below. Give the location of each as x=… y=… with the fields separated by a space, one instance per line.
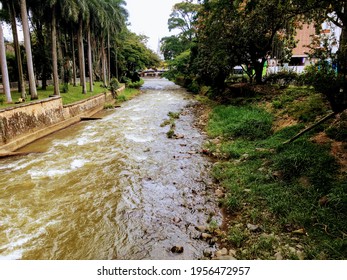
x=108 y=106
x=301 y=103
x=303 y=158
x=136 y=85
x=2 y=100
x=114 y=84
x=237 y=236
x=170 y=133
x=279 y=187
x=338 y=130
x=174 y=115
x=308 y=110
x=134 y=55
x=246 y=122
x=122 y=98
x=282 y=78
x=327 y=81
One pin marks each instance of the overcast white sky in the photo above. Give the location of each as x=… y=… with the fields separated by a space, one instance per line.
x=149 y=17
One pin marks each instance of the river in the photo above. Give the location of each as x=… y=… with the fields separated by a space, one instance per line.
x=114 y=188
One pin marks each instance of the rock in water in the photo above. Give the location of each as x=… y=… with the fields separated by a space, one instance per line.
x=177 y=249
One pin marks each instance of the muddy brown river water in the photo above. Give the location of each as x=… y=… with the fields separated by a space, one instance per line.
x=114 y=188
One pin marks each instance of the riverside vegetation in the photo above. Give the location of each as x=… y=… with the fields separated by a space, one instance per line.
x=73 y=94
x=283 y=201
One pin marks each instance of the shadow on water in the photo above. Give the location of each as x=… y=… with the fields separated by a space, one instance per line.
x=114 y=188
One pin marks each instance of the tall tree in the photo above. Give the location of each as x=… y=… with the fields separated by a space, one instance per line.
x=13 y=16
x=27 y=43
x=4 y=71
x=81 y=56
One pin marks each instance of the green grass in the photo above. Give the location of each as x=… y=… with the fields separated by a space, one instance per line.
x=74 y=94
x=245 y=122
x=301 y=103
x=280 y=187
x=127 y=94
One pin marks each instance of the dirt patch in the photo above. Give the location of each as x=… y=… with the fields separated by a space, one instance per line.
x=282 y=122
x=338 y=149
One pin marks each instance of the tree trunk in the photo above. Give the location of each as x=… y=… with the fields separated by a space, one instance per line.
x=259 y=67
x=90 y=62
x=42 y=43
x=21 y=80
x=103 y=63
x=116 y=60
x=27 y=43
x=54 y=53
x=327 y=117
x=342 y=58
x=108 y=55
x=60 y=55
x=81 y=58
x=4 y=71
x=74 y=78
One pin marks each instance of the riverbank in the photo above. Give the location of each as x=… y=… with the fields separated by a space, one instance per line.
x=25 y=123
x=281 y=201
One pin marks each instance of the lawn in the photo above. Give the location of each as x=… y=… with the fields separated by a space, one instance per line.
x=74 y=94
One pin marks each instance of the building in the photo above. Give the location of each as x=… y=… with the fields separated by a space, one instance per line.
x=304 y=37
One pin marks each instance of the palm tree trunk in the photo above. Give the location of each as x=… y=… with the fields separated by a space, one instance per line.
x=21 y=81
x=4 y=71
x=27 y=43
x=103 y=63
x=81 y=58
x=108 y=55
x=116 y=60
x=73 y=59
x=54 y=53
x=90 y=62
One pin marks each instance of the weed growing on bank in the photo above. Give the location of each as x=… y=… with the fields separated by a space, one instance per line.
x=285 y=201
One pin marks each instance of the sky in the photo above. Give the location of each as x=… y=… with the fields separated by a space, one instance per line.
x=149 y=17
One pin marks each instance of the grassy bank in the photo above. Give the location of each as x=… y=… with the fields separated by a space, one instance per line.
x=74 y=94
x=283 y=201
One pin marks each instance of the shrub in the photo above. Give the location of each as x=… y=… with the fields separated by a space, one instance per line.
x=114 y=85
x=2 y=100
x=282 y=78
x=327 y=81
x=136 y=84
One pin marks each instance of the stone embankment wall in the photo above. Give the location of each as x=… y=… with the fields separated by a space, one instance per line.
x=26 y=123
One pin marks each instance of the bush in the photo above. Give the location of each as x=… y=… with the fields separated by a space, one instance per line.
x=136 y=85
x=114 y=85
x=2 y=100
x=282 y=78
x=327 y=81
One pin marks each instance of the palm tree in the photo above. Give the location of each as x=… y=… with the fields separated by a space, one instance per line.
x=54 y=51
x=13 y=15
x=27 y=43
x=81 y=57
x=4 y=71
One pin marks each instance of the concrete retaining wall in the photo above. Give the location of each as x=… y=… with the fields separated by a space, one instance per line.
x=26 y=123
